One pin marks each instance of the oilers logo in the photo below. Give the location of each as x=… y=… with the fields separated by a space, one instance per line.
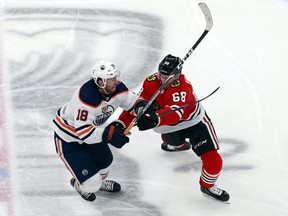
x=107 y=111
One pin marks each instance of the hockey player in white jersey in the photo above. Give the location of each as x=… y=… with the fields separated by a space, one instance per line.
x=81 y=139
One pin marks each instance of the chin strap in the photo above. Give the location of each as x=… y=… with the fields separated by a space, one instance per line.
x=102 y=89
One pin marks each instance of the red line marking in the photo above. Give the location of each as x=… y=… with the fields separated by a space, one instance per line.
x=5 y=181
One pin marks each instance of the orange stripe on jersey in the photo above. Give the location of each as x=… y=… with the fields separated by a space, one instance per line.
x=69 y=128
x=86 y=131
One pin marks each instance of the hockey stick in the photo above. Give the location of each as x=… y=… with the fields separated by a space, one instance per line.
x=209 y=23
x=188 y=105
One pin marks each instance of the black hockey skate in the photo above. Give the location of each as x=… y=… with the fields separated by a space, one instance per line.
x=185 y=146
x=87 y=196
x=216 y=193
x=110 y=186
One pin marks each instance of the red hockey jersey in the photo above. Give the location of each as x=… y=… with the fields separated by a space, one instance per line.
x=178 y=94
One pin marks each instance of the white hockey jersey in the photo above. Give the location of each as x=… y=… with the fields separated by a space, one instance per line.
x=82 y=118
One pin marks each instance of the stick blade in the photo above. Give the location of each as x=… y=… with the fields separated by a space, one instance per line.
x=207 y=14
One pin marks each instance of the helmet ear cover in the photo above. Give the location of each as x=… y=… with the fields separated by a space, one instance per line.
x=169 y=64
x=104 y=70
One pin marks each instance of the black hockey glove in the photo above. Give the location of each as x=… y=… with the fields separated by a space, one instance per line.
x=114 y=134
x=139 y=106
x=149 y=119
x=147 y=122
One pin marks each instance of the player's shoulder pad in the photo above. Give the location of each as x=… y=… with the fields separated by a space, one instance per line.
x=89 y=94
x=180 y=82
x=121 y=87
x=152 y=77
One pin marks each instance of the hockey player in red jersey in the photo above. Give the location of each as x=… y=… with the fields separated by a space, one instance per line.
x=184 y=129
x=81 y=139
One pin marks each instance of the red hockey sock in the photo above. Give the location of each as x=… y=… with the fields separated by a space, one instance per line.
x=211 y=168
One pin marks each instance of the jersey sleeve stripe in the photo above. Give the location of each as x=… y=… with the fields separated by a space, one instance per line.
x=63 y=125
x=179 y=112
x=195 y=113
x=85 y=131
x=88 y=135
x=59 y=114
x=74 y=135
x=82 y=127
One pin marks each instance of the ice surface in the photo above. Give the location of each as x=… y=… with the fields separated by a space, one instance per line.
x=46 y=49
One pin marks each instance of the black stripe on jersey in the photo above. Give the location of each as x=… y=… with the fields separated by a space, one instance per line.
x=196 y=112
x=180 y=111
x=66 y=122
x=85 y=137
x=194 y=115
x=82 y=127
x=65 y=131
x=58 y=113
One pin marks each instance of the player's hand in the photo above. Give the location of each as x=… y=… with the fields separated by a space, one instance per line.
x=147 y=122
x=139 y=106
x=114 y=134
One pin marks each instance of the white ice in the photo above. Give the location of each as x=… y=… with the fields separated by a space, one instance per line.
x=46 y=49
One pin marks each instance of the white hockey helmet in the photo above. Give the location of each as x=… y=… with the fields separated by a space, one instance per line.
x=104 y=70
